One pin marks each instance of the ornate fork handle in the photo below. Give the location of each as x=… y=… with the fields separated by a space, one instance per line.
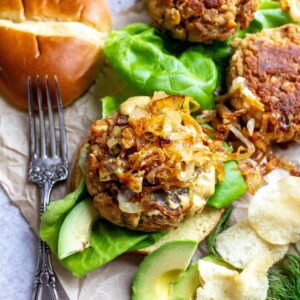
x=45 y=279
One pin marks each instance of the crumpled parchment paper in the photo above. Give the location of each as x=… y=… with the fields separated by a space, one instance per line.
x=112 y=281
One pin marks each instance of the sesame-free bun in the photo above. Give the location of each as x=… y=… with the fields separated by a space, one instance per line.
x=63 y=38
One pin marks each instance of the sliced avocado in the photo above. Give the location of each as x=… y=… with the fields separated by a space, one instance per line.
x=75 y=232
x=160 y=269
x=186 y=286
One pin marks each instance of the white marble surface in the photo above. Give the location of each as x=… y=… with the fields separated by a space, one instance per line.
x=18 y=243
x=17 y=253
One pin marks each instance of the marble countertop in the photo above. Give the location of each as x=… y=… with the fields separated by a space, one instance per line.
x=18 y=244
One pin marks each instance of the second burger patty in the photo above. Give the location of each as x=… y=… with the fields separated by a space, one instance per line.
x=142 y=166
x=202 y=21
x=269 y=65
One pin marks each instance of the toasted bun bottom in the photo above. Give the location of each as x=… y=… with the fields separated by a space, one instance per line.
x=196 y=228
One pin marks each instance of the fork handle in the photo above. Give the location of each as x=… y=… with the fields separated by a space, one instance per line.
x=45 y=279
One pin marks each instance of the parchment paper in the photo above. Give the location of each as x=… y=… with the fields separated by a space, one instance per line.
x=113 y=280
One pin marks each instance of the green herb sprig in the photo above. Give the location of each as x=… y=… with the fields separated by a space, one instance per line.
x=221 y=226
x=284 y=278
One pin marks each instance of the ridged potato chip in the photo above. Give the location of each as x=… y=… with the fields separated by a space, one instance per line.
x=274 y=211
x=240 y=244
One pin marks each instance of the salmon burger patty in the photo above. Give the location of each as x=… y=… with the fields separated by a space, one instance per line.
x=202 y=21
x=149 y=165
x=264 y=78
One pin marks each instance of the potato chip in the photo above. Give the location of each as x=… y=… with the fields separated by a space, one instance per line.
x=221 y=283
x=239 y=244
x=218 y=281
x=274 y=211
x=253 y=282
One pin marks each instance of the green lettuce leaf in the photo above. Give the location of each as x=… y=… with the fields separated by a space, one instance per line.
x=55 y=214
x=110 y=105
x=230 y=189
x=107 y=240
x=268 y=15
x=151 y=62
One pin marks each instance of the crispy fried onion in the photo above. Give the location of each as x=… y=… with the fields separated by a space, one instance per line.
x=124 y=197
x=239 y=87
x=231 y=122
x=161 y=147
x=245 y=148
x=272 y=162
x=263 y=127
x=252 y=131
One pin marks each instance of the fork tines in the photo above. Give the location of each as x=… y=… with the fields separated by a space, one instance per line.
x=39 y=100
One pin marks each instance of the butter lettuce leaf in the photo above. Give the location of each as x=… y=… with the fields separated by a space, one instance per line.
x=149 y=62
x=110 y=105
x=107 y=240
x=268 y=15
x=55 y=214
x=230 y=189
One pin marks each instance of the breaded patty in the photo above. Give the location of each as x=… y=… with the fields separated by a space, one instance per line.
x=201 y=20
x=267 y=66
x=148 y=167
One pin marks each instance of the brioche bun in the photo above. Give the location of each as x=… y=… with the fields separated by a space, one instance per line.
x=62 y=38
x=197 y=227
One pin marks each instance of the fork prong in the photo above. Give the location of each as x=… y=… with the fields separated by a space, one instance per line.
x=41 y=118
x=31 y=118
x=62 y=128
x=51 y=119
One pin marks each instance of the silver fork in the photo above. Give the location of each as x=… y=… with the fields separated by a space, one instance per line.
x=45 y=169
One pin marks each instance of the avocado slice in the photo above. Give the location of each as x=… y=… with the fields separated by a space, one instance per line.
x=160 y=269
x=75 y=232
x=186 y=286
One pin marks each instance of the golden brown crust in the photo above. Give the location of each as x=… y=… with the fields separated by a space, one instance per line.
x=12 y=10
x=75 y=62
x=270 y=63
x=91 y=12
x=201 y=20
x=75 y=57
